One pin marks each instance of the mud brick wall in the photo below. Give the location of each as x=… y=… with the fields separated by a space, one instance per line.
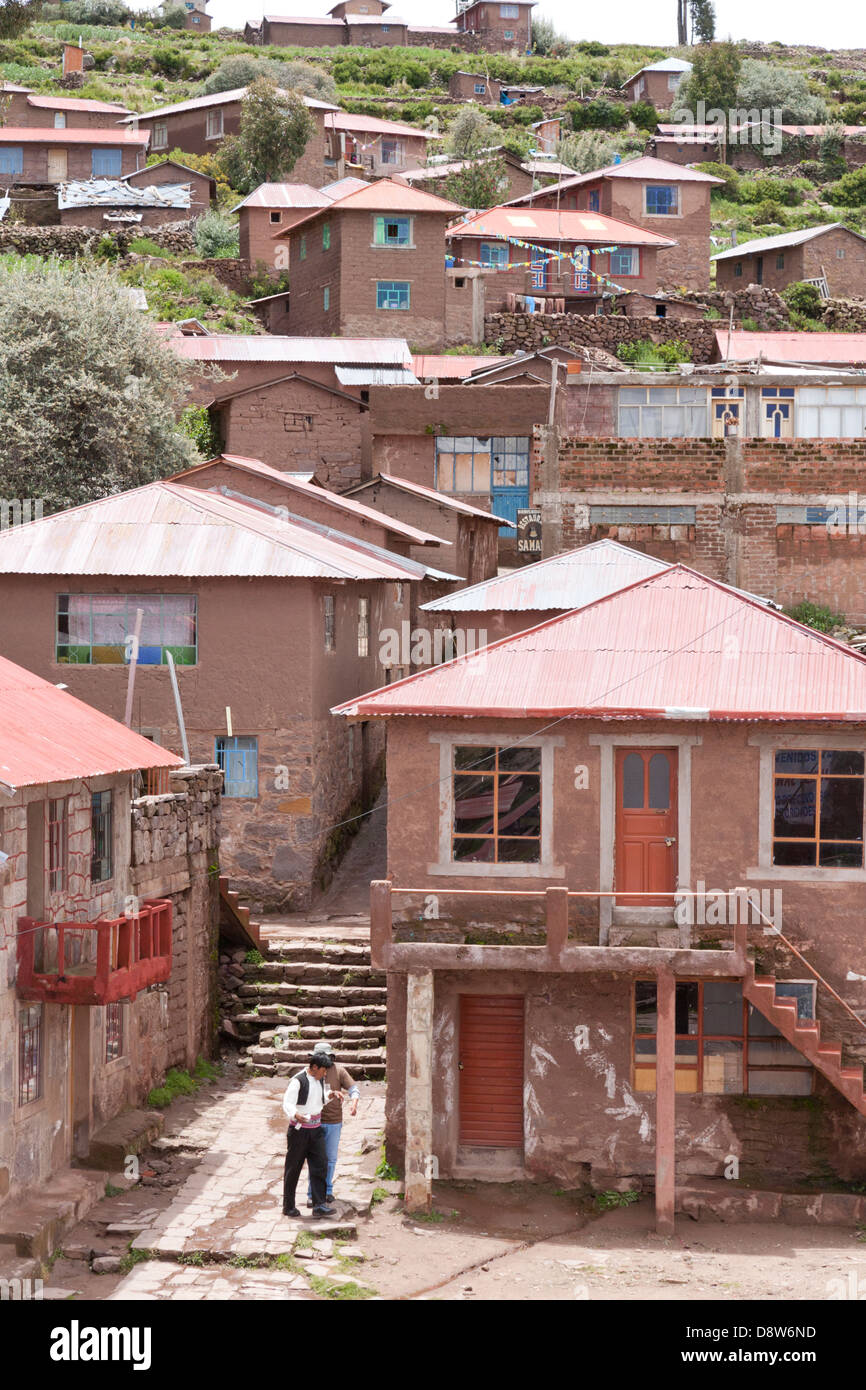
x=71 y=241
x=523 y=332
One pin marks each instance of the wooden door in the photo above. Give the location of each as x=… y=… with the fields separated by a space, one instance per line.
x=646 y=826
x=57 y=165
x=491 y=1070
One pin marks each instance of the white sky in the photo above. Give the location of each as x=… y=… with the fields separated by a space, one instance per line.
x=833 y=24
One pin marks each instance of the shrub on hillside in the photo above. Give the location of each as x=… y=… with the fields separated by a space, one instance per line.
x=769 y=213
x=216 y=235
x=803 y=298
x=766 y=85
x=598 y=114
x=731 y=186
x=850 y=191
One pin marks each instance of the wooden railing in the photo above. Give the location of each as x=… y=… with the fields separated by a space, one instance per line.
x=94 y=962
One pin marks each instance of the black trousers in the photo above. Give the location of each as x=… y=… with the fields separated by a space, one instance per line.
x=305 y=1145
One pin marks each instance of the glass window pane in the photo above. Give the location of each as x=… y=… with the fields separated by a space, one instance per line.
x=645 y=1006
x=632 y=781
x=841 y=808
x=662 y=395
x=773 y=1052
x=519 y=805
x=840 y=856
x=520 y=759
x=519 y=851
x=686 y=1007
x=178 y=620
x=780 y=1083
x=473 y=805
x=797 y=760
x=795 y=807
x=723 y=1068
x=791 y=854
x=629 y=422
x=801 y=990
x=842 y=762
x=659 y=782
x=476 y=758
x=473 y=851
x=723 y=1007
x=651 y=422
x=645 y=1049
x=632 y=395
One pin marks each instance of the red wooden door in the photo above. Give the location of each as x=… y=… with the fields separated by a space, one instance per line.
x=646 y=826
x=491 y=1070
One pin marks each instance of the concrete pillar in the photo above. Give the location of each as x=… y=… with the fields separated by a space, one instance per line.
x=380 y=923
x=419 y=1090
x=546 y=490
x=665 y=1102
x=556 y=922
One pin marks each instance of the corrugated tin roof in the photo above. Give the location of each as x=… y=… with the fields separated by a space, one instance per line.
x=293 y=484
x=563 y=582
x=546 y=166
x=677 y=645
x=382 y=195
x=340 y=187
x=446 y=367
x=303 y=19
x=215 y=99
x=442 y=498
x=776 y=243
x=168 y=529
x=42 y=135
x=817 y=348
x=267 y=347
x=642 y=167
x=77 y=104
x=348 y=120
x=88 y=193
x=394 y=19
x=376 y=376
x=551 y=224
x=663 y=65
x=284 y=195
x=46 y=735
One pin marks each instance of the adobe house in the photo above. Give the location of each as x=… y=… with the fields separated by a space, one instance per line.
x=200 y=565
x=474 y=86
x=197 y=17
x=372 y=264
x=548 y=133
x=198 y=126
x=652 y=193
x=269 y=208
x=39 y=155
x=25 y=108
x=109 y=915
x=832 y=256
x=272 y=311
x=376 y=147
x=109 y=203
x=521 y=176
x=202 y=187
x=282 y=31
x=533 y=253
x=657 y=83
x=372 y=31
x=681 y=143
x=472 y=531
x=498 y=28
x=572 y=908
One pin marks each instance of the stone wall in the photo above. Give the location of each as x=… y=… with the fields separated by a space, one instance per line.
x=525 y=332
x=73 y=241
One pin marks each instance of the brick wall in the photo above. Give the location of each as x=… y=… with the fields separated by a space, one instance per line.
x=296 y=425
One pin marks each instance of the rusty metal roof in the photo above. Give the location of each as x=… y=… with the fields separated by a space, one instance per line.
x=284 y=195
x=267 y=347
x=91 y=193
x=373 y=125
x=443 y=366
x=674 y=646
x=46 y=735
x=301 y=488
x=553 y=224
x=77 y=104
x=42 y=135
x=442 y=498
x=563 y=582
x=816 y=348
x=166 y=529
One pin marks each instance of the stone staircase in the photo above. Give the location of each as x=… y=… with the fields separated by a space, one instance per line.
x=805 y=1035
x=308 y=991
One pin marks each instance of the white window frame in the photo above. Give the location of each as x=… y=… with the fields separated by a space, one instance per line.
x=851 y=414
x=214 y=117
x=59 y=120
x=671 y=402
x=768 y=745
x=445 y=866
x=159 y=138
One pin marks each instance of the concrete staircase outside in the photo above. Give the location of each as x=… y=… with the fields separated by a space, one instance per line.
x=805 y=1035
x=308 y=991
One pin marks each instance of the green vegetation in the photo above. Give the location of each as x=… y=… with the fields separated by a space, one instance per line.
x=181 y=1083
x=254 y=957
x=379 y=1195
x=112 y=1191
x=813 y=615
x=803 y=298
x=131 y=1258
x=385 y=1170
x=609 y=1201
x=326 y=1288
x=274 y=129
x=143 y=246
x=655 y=356
x=216 y=235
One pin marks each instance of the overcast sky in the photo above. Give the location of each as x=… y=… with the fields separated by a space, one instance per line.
x=833 y=24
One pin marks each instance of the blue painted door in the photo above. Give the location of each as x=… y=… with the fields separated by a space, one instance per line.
x=509 y=477
x=507 y=501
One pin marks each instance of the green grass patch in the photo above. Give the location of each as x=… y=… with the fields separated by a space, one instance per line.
x=609 y=1201
x=350 y=1292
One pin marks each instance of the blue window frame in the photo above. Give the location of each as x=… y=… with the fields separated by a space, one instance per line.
x=238 y=759
x=392 y=231
x=594 y=204
x=625 y=260
x=106 y=164
x=326 y=297
x=662 y=200
x=392 y=294
x=538 y=272
x=97 y=629
x=480 y=89
x=12 y=160
x=494 y=253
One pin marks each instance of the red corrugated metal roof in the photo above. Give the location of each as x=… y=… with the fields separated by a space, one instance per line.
x=42 y=135
x=833 y=348
x=383 y=195
x=76 y=104
x=643 y=167
x=284 y=195
x=549 y=224
x=348 y=120
x=445 y=366
x=677 y=646
x=271 y=347
x=443 y=498
x=46 y=735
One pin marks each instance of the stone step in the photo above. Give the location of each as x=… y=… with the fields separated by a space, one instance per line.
x=128 y=1133
x=312 y=972
x=371 y=1015
x=339 y=1041
x=296 y=1052
x=310 y=952
x=35 y=1223
x=365 y=1071
x=315 y=996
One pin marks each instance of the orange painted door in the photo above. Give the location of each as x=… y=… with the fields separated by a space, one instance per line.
x=491 y=1070
x=646 y=826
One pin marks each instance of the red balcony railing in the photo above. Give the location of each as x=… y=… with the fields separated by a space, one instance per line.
x=94 y=962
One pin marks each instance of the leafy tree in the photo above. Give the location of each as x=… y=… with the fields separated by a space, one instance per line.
x=850 y=191
x=17 y=15
x=763 y=85
x=546 y=38
x=470 y=132
x=480 y=184
x=88 y=393
x=172 y=17
x=703 y=17
x=644 y=115
x=730 y=188
x=592 y=149
x=274 y=130
x=803 y=298
x=713 y=79
x=240 y=70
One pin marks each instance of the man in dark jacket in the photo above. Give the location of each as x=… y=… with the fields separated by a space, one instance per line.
x=303 y=1103
x=338 y=1080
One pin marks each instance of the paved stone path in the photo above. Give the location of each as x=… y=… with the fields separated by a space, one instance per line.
x=231 y=1205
